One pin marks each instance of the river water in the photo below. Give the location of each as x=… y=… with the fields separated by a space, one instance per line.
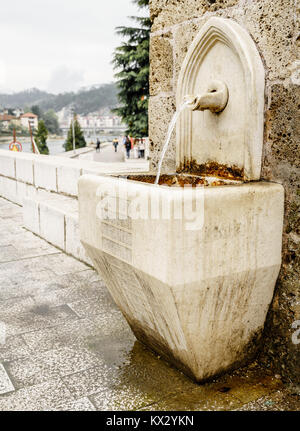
x=55 y=145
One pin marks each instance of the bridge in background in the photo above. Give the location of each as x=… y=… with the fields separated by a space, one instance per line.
x=90 y=131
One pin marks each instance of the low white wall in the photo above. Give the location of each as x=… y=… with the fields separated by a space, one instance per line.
x=54 y=174
x=46 y=187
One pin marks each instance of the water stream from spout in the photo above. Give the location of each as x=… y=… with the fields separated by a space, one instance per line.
x=170 y=131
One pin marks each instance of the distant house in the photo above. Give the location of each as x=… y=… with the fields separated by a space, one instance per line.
x=30 y=118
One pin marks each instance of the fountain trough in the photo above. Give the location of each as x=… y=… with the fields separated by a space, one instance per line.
x=192 y=261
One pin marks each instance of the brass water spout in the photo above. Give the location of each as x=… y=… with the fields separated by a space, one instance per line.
x=215 y=99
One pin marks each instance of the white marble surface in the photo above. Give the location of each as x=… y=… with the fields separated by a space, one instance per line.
x=223 y=51
x=196 y=290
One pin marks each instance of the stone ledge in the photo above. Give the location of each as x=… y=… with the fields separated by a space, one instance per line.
x=56 y=174
x=7 y=164
x=55 y=218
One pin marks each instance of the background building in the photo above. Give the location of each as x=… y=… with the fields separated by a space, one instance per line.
x=30 y=118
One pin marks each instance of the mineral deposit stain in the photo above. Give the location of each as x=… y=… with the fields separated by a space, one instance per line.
x=177 y=180
x=42 y=310
x=142 y=380
x=212 y=168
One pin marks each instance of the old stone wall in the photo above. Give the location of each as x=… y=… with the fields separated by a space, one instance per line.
x=274 y=27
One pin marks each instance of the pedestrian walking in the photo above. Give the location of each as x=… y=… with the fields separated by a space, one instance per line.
x=115 y=144
x=98 y=145
x=142 y=149
x=128 y=146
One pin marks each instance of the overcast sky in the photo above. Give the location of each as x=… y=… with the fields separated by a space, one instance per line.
x=59 y=45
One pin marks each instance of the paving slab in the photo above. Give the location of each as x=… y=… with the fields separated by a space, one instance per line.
x=37 y=317
x=83 y=404
x=76 y=334
x=14 y=348
x=54 y=289
x=41 y=367
x=44 y=397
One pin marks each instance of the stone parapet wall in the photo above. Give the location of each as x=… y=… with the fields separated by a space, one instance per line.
x=47 y=188
x=22 y=174
x=29 y=172
x=274 y=28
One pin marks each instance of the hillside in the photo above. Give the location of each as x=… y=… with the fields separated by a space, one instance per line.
x=84 y=101
x=23 y=98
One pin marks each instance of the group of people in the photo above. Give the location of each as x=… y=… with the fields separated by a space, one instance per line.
x=129 y=144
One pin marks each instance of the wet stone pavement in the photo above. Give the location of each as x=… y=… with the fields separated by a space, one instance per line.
x=65 y=346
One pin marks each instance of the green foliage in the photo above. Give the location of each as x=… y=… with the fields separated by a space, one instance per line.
x=35 y=109
x=51 y=121
x=132 y=61
x=141 y=3
x=41 y=136
x=79 y=137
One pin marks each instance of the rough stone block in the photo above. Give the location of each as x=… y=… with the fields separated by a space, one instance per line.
x=282 y=128
x=165 y=14
x=161 y=110
x=161 y=64
x=272 y=26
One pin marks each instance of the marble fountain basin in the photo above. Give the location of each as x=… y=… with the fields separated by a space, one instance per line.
x=192 y=269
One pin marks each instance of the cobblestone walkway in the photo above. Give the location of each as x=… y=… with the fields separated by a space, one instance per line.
x=65 y=346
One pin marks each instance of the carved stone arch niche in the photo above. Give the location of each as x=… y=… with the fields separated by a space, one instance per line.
x=223 y=51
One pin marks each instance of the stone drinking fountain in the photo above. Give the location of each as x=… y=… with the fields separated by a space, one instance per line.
x=193 y=269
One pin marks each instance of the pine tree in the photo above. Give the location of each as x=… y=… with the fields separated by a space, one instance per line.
x=79 y=137
x=132 y=59
x=41 y=136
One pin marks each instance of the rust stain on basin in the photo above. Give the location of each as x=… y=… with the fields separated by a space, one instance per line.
x=212 y=169
x=176 y=180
